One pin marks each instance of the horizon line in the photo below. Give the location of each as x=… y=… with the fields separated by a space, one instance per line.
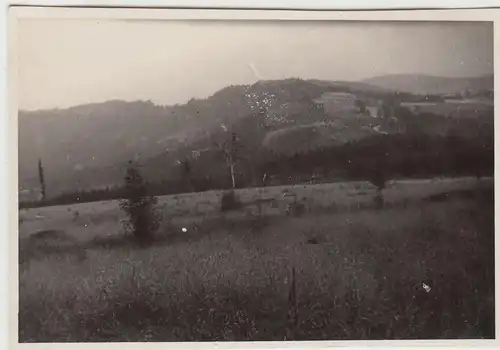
x=363 y=80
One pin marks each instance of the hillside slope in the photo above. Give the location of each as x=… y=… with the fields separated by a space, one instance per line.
x=88 y=146
x=81 y=146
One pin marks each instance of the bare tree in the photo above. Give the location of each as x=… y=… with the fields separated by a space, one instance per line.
x=232 y=155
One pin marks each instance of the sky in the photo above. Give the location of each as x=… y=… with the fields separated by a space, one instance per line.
x=64 y=63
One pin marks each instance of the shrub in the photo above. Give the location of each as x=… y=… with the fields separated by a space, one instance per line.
x=229 y=201
x=378 y=179
x=379 y=200
x=143 y=216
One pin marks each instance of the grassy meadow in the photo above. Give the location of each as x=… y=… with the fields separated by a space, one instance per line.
x=361 y=272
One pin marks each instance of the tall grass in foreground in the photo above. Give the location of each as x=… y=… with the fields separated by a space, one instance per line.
x=363 y=280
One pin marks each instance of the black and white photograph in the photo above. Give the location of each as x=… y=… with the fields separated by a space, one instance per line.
x=236 y=180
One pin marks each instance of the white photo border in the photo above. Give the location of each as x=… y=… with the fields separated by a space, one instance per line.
x=17 y=13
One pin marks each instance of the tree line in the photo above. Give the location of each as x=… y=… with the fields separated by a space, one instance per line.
x=372 y=159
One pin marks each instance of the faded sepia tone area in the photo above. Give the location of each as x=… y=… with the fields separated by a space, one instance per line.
x=70 y=62
x=244 y=180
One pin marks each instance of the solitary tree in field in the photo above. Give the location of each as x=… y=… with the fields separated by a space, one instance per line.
x=186 y=174
x=143 y=218
x=361 y=105
x=41 y=178
x=378 y=179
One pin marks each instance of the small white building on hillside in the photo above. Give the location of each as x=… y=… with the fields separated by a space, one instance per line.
x=374 y=111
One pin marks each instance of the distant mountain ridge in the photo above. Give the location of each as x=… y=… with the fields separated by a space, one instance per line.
x=88 y=146
x=426 y=84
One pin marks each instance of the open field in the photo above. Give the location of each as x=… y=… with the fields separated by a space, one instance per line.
x=359 y=270
x=452 y=109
